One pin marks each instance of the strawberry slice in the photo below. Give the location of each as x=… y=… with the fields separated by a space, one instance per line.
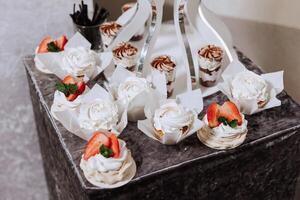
x=80 y=87
x=115 y=147
x=69 y=80
x=43 y=46
x=213 y=115
x=229 y=111
x=61 y=42
x=72 y=97
x=93 y=145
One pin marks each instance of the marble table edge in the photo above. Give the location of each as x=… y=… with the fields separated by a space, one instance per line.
x=243 y=147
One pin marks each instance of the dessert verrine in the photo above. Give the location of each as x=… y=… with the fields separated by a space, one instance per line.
x=109 y=31
x=80 y=62
x=210 y=60
x=49 y=45
x=172 y=120
x=98 y=114
x=247 y=86
x=139 y=35
x=125 y=55
x=107 y=162
x=166 y=65
x=225 y=127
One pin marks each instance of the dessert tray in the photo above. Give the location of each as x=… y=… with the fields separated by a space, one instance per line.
x=156 y=97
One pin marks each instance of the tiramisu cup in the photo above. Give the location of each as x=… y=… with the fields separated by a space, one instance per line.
x=210 y=60
x=166 y=65
x=172 y=120
x=109 y=31
x=139 y=35
x=125 y=55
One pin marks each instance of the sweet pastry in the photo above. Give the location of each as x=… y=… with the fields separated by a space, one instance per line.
x=139 y=35
x=172 y=120
x=247 y=86
x=49 y=45
x=166 y=65
x=106 y=161
x=80 y=62
x=109 y=31
x=98 y=114
x=224 y=126
x=125 y=55
x=210 y=60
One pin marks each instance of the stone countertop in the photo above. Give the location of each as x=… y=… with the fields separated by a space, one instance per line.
x=153 y=158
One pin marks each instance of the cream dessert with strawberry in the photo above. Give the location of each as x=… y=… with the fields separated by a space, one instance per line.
x=250 y=86
x=106 y=161
x=125 y=55
x=172 y=120
x=165 y=64
x=210 y=60
x=49 y=45
x=109 y=31
x=225 y=127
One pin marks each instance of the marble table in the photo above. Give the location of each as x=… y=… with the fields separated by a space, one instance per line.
x=266 y=166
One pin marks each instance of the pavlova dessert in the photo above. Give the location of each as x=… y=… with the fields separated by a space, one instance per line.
x=125 y=55
x=225 y=127
x=109 y=31
x=106 y=161
x=49 y=45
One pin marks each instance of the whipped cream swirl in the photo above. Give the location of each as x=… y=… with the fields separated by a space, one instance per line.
x=110 y=29
x=132 y=87
x=98 y=114
x=80 y=61
x=124 y=50
x=163 y=63
x=248 y=85
x=210 y=57
x=173 y=118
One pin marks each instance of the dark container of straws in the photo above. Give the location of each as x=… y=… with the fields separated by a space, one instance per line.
x=89 y=28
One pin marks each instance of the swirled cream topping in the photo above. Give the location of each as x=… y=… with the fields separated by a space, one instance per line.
x=132 y=87
x=163 y=63
x=98 y=114
x=225 y=130
x=110 y=29
x=173 y=118
x=211 y=52
x=79 y=61
x=248 y=85
x=124 y=50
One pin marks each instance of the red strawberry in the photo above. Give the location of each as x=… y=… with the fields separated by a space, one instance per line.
x=93 y=145
x=213 y=115
x=115 y=147
x=231 y=112
x=61 y=42
x=69 y=80
x=72 y=97
x=43 y=46
x=80 y=87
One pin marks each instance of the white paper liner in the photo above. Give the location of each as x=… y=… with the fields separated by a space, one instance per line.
x=275 y=86
x=69 y=118
x=191 y=100
x=135 y=108
x=129 y=168
x=52 y=61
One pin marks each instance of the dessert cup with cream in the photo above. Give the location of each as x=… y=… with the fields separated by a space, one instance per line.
x=224 y=127
x=125 y=55
x=166 y=64
x=103 y=168
x=108 y=31
x=210 y=59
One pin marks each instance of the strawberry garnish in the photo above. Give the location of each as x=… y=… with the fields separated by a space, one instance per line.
x=72 y=97
x=71 y=88
x=115 y=145
x=43 y=46
x=80 y=87
x=93 y=146
x=213 y=115
x=61 y=42
x=69 y=80
x=230 y=112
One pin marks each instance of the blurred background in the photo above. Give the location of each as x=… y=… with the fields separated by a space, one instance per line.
x=267 y=31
